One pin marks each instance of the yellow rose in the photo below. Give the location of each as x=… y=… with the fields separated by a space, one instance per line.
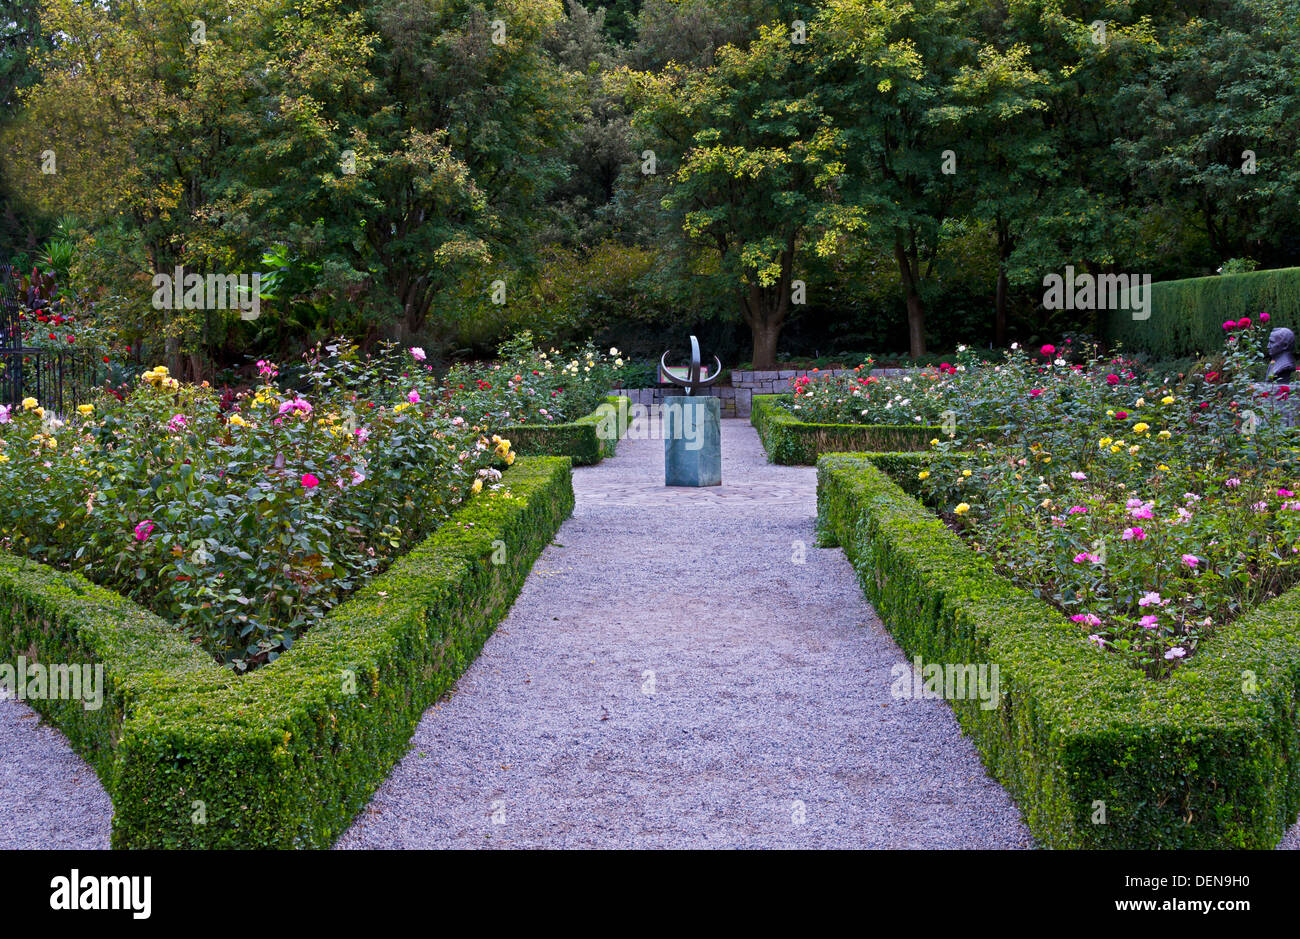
x=510 y=458
x=962 y=508
x=924 y=474
x=1167 y=399
x=1164 y=435
x=1104 y=442
x=39 y=412
x=86 y=408
x=1140 y=428
x=965 y=472
x=477 y=487
x=934 y=442
x=29 y=403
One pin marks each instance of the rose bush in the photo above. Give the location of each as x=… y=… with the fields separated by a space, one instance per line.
x=862 y=398
x=528 y=386
x=245 y=519
x=1150 y=513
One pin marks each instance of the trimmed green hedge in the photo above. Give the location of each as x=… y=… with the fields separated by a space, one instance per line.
x=286 y=756
x=586 y=441
x=1207 y=759
x=1187 y=316
x=790 y=441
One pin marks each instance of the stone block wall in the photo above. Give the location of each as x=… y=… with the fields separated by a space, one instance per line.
x=736 y=398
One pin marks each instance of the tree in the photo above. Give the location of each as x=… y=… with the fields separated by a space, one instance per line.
x=393 y=145
x=888 y=71
x=21 y=40
x=750 y=162
x=1221 y=108
x=1004 y=157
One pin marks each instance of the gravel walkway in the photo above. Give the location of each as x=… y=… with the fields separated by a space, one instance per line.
x=49 y=796
x=670 y=678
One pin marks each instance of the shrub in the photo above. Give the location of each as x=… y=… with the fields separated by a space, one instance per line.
x=528 y=386
x=195 y=756
x=1207 y=759
x=586 y=441
x=788 y=440
x=1186 y=314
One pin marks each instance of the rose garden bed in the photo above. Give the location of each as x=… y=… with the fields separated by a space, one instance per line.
x=1095 y=753
x=1123 y=555
x=789 y=440
x=196 y=756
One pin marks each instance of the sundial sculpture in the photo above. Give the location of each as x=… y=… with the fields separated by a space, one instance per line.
x=692 y=425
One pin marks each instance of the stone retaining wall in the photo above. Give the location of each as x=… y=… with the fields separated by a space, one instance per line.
x=734 y=402
x=737 y=398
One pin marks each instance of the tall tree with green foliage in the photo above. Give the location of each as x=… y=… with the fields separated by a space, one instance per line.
x=750 y=164
x=21 y=40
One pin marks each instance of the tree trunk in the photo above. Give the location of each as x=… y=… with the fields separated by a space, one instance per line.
x=916 y=325
x=172 y=352
x=907 y=268
x=1005 y=244
x=765 y=310
x=765 y=335
x=1000 y=310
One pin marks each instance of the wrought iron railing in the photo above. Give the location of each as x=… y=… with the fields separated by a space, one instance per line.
x=59 y=379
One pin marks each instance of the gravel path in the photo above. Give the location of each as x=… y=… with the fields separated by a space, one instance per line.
x=668 y=678
x=49 y=796
x=770 y=723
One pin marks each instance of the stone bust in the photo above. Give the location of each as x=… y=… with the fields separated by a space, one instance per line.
x=1281 y=346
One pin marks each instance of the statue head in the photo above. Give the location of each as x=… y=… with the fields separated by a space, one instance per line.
x=1280 y=340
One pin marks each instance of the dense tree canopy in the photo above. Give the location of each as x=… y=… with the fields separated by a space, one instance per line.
x=831 y=175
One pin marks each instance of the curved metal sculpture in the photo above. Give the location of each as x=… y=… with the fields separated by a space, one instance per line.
x=692 y=382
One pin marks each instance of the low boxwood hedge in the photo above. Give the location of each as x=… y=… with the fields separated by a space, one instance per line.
x=790 y=441
x=194 y=756
x=586 y=441
x=1206 y=759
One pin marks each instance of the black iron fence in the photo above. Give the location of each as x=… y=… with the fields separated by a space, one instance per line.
x=59 y=379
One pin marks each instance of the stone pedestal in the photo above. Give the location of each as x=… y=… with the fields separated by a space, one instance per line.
x=692 y=431
x=1281 y=407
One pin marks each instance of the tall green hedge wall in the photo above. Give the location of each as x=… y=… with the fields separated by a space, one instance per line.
x=1187 y=316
